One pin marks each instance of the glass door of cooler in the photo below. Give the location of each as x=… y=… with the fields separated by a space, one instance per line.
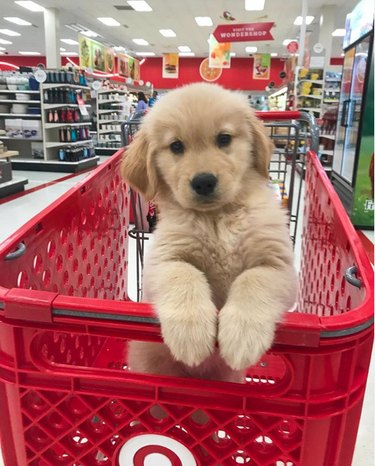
x=354 y=109
x=343 y=109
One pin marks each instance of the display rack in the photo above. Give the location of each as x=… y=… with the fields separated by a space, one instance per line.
x=331 y=98
x=109 y=103
x=8 y=184
x=277 y=100
x=308 y=90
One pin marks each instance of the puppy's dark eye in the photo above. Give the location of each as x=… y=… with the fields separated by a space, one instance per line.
x=223 y=139
x=177 y=147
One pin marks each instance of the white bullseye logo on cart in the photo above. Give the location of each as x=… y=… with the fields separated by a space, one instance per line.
x=155 y=450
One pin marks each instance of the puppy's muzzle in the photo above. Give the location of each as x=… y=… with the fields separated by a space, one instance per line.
x=204 y=184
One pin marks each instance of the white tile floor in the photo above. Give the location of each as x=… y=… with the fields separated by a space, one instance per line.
x=15 y=213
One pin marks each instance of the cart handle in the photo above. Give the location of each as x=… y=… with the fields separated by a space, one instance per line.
x=350 y=276
x=20 y=251
x=275 y=115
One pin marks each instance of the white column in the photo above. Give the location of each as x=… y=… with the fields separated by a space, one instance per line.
x=301 y=47
x=52 y=37
x=327 y=25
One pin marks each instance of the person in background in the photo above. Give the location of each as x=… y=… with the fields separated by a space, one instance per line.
x=153 y=99
x=142 y=102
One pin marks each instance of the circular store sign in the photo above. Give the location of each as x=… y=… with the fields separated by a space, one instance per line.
x=155 y=450
x=318 y=47
x=40 y=75
x=292 y=47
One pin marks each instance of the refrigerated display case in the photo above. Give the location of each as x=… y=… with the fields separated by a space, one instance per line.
x=354 y=137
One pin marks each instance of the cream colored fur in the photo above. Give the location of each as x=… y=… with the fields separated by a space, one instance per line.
x=220 y=273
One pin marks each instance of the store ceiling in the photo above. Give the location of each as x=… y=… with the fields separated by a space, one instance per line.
x=177 y=15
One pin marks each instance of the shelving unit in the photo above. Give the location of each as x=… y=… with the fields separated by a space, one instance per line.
x=308 y=89
x=8 y=184
x=277 y=100
x=109 y=121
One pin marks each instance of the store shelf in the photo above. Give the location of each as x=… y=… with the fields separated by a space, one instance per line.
x=15 y=185
x=110 y=101
x=311 y=96
x=333 y=80
x=327 y=101
x=52 y=106
x=328 y=136
x=52 y=145
x=8 y=138
x=327 y=152
x=110 y=91
x=8 y=153
x=109 y=131
x=55 y=165
x=310 y=109
x=14 y=101
x=110 y=110
x=317 y=81
x=103 y=122
x=332 y=91
x=70 y=86
x=18 y=91
x=20 y=115
x=62 y=125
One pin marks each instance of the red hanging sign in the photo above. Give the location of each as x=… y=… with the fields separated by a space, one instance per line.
x=247 y=32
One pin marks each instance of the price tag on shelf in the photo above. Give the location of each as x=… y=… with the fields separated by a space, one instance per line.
x=81 y=105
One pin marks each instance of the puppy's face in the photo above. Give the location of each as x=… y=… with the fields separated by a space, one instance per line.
x=198 y=146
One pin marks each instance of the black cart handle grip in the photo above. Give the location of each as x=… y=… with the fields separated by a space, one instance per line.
x=350 y=276
x=20 y=251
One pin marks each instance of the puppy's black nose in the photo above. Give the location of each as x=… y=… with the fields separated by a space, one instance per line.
x=204 y=183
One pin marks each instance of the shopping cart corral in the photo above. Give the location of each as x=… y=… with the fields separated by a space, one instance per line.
x=68 y=398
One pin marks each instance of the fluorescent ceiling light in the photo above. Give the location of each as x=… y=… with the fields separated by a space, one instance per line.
x=343 y=54
x=9 y=32
x=187 y=54
x=274 y=54
x=338 y=33
x=29 y=5
x=2 y=48
x=203 y=21
x=232 y=54
x=69 y=54
x=69 y=41
x=108 y=21
x=5 y=42
x=184 y=48
x=16 y=20
x=139 y=5
x=2 y=53
x=287 y=41
x=29 y=53
x=298 y=20
x=145 y=54
x=89 y=33
x=254 y=5
x=62 y=49
x=167 y=32
x=140 y=42
x=251 y=49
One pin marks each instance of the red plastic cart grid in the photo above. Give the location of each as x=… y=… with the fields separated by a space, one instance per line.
x=66 y=397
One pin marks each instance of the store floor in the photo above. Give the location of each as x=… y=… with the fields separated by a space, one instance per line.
x=47 y=187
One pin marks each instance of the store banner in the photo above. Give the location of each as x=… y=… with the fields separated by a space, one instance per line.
x=128 y=67
x=109 y=60
x=243 y=32
x=219 y=53
x=170 y=65
x=94 y=55
x=262 y=66
x=85 y=52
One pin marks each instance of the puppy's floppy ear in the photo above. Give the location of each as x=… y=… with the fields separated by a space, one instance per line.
x=262 y=146
x=137 y=166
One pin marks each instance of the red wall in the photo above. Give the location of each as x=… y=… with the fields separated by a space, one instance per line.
x=239 y=76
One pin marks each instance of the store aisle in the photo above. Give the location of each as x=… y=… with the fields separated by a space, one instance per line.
x=15 y=213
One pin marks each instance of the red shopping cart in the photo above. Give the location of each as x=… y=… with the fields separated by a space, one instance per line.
x=67 y=397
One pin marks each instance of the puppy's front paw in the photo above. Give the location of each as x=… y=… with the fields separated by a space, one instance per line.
x=191 y=340
x=242 y=340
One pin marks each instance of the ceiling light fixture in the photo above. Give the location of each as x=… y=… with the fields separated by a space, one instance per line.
x=184 y=48
x=9 y=64
x=29 y=53
x=338 y=33
x=62 y=49
x=145 y=54
x=298 y=20
x=108 y=21
x=203 y=21
x=232 y=54
x=187 y=54
x=5 y=42
x=167 y=32
x=29 y=5
x=2 y=48
x=140 y=42
x=254 y=5
x=69 y=41
x=251 y=49
x=139 y=5
x=69 y=54
x=274 y=54
x=142 y=61
x=9 y=32
x=16 y=20
x=89 y=33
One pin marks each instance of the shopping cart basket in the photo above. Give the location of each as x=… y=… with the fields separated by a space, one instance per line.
x=67 y=398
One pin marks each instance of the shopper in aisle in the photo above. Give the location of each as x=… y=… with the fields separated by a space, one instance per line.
x=153 y=99
x=142 y=102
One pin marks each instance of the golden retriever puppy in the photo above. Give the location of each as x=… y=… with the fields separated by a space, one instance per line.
x=220 y=273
